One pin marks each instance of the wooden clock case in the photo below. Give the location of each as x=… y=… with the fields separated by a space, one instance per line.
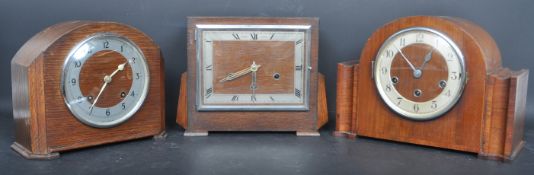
x=305 y=123
x=44 y=125
x=487 y=120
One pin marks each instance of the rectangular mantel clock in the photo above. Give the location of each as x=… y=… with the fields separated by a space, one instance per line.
x=252 y=74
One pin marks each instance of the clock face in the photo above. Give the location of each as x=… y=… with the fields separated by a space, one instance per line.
x=105 y=80
x=253 y=67
x=419 y=73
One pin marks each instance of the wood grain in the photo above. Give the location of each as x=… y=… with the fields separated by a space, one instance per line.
x=433 y=72
x=273 y=56
x=181 y=114
x=344 y=100
x=489 y=117
x=92 y=75
x=50 y=125
x=251 y=121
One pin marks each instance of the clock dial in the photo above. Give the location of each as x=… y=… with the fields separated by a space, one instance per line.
x=419 y=73
x=253 y=69
x=105 y=80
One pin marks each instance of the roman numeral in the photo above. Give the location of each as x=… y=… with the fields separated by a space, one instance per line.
x=210 y=67
x=254 y=36
x=298 y=42
x=236 y=36
x=298 y=68
x=272 y=36
x=297 y=93
x=209 y=91
x=235 y=98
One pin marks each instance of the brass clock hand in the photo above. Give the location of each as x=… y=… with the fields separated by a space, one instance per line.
x=234 y=75
x=253 y=85
x=107 y=80
x=428 y=57
x=120 y=67
x=416 y=72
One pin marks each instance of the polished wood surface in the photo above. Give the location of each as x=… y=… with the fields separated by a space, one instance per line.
x=251 y=120
x=488 y=119
x=181 y=114
x=433 y=72
x=273 y=56
x=92 y=76
x=49 y=127
x=344 y=96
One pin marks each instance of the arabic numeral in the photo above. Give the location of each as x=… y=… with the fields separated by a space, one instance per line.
x=419 y=37
x=106 y=44
x=133 y=60
x=108 y=113
x=454 y=76
x=384 y=70
x=402 y=42
x=77 y=64
x=73 y=81
x=133 y=93
x=400 y=100
x=138 y=75
x=388 y=87
x=389 y=53
x=434 y=105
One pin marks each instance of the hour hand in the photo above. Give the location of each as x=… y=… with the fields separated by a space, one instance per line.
x=234 y=75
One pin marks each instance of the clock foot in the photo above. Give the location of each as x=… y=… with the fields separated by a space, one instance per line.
x=308 y=133
x=29 y=155
x=195 y=133
x=161 y=136
x=348 y=135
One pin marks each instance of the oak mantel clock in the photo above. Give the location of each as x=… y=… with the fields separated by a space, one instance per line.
x=435 y=81
x=82 y=83
x=252 y=74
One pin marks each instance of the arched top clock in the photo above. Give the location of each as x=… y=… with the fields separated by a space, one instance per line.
x=434 y=81
x=83 y=83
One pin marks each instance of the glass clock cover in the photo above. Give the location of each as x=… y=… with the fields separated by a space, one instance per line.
x=105 y=80
x=253 y=67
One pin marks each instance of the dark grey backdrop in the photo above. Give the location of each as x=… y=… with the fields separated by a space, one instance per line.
x=344 y=28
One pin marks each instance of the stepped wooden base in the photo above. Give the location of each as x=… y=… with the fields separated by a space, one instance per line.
x=501 y=126
x=29 y=155
x=195 y=133
x=308 y=134
x=161 y=136
x=303 y=124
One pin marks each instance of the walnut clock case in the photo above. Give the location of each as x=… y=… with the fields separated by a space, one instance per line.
x=252 y=74
x=435 y=81
x=81 y=83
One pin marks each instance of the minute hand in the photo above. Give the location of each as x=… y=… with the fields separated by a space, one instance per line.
x=406 y=59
